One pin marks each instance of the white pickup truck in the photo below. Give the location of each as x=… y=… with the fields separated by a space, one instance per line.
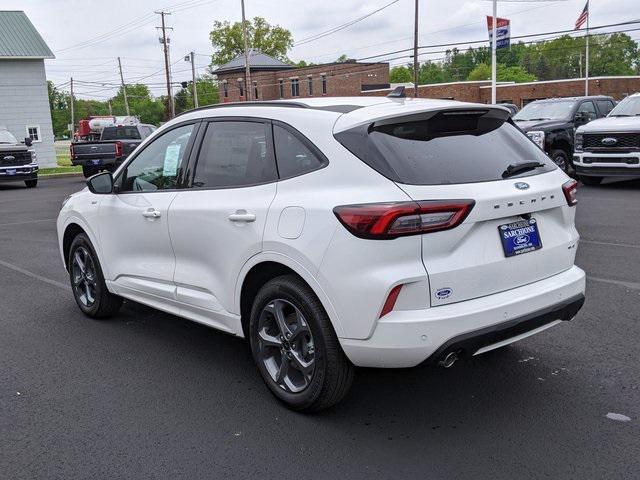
x=610 y=146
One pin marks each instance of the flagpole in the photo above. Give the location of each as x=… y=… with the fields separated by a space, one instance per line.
x=586 y=74
x=493 y=52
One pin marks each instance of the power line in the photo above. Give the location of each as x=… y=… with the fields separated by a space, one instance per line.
x=317 y=36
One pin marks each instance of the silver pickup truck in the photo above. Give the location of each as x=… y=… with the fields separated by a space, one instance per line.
x=17 y=162
x=610 y=146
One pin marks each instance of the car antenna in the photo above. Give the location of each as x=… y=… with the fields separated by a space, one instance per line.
x=397 y=92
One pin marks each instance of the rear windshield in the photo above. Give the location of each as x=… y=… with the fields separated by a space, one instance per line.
x=120 y=133
x=445 y=148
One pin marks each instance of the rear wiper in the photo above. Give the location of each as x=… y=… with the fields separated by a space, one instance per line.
x=515 y=168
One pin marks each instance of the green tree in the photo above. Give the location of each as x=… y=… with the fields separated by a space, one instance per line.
x=400 y=74
x=342 y=58
x=480 y=72
x=228 y=43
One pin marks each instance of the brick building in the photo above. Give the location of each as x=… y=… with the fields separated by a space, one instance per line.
x=522 y=93
x=272 y=79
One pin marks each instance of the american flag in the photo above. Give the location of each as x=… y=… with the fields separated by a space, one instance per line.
x=583 y=16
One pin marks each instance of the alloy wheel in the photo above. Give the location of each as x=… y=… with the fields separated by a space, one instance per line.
x=83 y=272
x=285 y=346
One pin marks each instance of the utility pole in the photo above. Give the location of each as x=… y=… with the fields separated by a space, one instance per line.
x=110 y=109
x=493 y=52
x=191 y=58
x=163 y=40
x=124 y=88
x=416 y=74
x=73 y=120
x=247 y=70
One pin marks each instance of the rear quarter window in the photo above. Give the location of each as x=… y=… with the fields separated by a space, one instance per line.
x=444 y=148
x=121 y=133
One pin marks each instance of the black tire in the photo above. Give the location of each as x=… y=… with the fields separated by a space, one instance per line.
x=332 y=373
x=31 y=183
x=89 y=171
x=90 y=279
x=561 y=159
x=592 y=181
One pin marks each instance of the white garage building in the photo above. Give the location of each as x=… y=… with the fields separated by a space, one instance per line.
x=24 y=99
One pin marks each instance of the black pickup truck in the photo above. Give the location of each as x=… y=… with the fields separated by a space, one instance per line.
x=552 y=123
x=114 y=146
x=17 y=162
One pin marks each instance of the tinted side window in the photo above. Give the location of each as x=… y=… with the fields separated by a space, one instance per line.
x=294 y=157
x=605 y=106
x=234 y=154
x=589 y=108
x=157 y=167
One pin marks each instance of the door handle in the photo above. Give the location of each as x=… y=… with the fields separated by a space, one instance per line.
x=241 y=216
x=151 y=213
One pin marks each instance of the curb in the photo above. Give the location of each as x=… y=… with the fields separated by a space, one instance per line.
x=60 y=175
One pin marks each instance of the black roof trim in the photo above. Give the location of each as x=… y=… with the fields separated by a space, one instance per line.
x=247 y=104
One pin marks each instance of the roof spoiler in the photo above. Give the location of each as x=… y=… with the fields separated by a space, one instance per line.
x=397 y=92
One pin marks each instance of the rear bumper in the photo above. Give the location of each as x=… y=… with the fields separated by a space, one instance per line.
x=408 y=338
x=102 y=162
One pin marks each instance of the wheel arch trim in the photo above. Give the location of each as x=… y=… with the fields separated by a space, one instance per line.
x=297 y=268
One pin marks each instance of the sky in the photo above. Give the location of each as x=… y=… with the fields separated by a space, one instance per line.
x=87 y=36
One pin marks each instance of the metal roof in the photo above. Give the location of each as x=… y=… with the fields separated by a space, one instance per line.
x=19 y=38
x=257 y=61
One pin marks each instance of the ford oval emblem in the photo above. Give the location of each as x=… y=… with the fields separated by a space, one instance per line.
x=521 y=185
x=521 y=240
x=609 y=141
x=443 y=293
x=9 y=158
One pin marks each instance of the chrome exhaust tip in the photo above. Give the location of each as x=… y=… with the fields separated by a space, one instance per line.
x=449 y=359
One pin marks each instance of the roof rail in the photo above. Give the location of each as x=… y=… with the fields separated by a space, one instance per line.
x=268 y=103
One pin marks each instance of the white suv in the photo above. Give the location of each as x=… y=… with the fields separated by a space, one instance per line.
x=376 y=232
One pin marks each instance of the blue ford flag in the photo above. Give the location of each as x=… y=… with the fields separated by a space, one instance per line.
x=503 y=31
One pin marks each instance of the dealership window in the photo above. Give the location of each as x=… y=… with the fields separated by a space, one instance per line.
x=255 y=90
x=323 y=78
x=33 y=132
x=225 y=89
x=281 y=85
x=310 y=85
x=295 y=87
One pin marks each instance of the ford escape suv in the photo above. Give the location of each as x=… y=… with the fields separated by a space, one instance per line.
x=333 y=233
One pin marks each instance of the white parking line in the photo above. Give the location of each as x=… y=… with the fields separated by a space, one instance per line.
x=18 y=269
x=620 y=283
x=28 y=221
x=610 y=244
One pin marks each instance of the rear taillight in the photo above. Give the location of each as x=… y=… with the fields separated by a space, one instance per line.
x=382 y=221
x=570 y=190
x=118 y=149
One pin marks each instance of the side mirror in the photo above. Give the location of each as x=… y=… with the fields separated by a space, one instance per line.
x=27 y=141
x=101 y=183
x=581 y=118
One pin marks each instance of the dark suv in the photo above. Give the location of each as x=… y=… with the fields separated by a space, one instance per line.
x=552 y=123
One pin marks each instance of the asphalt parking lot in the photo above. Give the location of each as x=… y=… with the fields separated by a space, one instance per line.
x=149 y=395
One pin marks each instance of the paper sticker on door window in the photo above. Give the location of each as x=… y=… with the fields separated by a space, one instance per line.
x=171 y=159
